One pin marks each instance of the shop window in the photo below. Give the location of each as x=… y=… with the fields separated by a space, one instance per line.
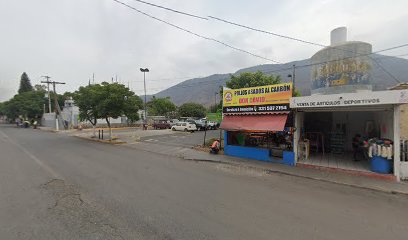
x=271 y=140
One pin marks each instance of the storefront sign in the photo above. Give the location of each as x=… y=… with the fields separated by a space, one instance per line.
x=351 y=99
x=271 y=98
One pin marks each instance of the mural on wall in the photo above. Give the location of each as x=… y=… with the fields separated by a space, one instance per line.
x=351 y=71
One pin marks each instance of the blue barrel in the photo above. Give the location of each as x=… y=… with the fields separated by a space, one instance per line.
x=381 y=165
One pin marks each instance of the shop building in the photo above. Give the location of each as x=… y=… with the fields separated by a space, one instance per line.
x=258 y=124
x=337 y=131
x=344 y=124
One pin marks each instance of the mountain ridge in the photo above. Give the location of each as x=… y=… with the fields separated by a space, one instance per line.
x=202 y=90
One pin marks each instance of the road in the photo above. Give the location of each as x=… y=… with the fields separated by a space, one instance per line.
x=53 y=186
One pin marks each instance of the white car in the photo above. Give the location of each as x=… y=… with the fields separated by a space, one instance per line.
x=184 y=126
x=212 y=125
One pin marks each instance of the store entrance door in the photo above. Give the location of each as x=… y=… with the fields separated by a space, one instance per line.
x=339 y=139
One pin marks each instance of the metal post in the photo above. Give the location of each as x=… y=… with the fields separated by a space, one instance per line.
x=144 y=81
x=102 y=133
x=221 y=139
x=144 y=70
x=99 y=134
x=205 y=132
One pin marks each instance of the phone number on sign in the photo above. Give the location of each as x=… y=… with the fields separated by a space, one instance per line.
x=273 y=108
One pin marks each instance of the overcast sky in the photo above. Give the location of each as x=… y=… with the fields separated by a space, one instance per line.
x=71 y=39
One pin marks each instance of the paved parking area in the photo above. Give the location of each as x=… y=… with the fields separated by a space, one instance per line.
x=161 y=137
x=182 y=139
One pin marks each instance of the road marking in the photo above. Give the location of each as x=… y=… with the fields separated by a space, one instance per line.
x=30 y=155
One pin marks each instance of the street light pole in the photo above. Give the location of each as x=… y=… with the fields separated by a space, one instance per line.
x=144 y=70
x=215 y=102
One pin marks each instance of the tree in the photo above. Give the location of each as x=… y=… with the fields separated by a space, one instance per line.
x=161 y=107
x=117 y=100
x=40 y=87
x=87 y=99
x=25 y=84
x=248 y=79
x=2 y=109
x=192 y=110
x=27 y=104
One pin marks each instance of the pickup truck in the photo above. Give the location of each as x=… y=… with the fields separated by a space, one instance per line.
x=161 y=125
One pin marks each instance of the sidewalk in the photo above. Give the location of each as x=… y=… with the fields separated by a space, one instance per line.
x=269 y=168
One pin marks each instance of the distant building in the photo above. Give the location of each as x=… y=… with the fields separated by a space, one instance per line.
x=70 y=113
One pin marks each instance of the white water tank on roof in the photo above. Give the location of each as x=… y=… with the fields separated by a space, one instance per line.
x=338 y=35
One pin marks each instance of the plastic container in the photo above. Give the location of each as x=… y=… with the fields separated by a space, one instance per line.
x=381 y=165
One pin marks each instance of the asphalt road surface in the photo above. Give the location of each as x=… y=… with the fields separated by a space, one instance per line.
x=183 y=139
x=53 y=186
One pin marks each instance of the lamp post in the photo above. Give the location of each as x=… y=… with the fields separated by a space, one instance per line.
x=215 y=102
x=144 y=70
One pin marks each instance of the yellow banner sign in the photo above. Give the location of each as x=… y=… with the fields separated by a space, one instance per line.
x=258 y=99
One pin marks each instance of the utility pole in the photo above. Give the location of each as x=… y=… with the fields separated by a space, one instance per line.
x=56 y=105
x=293 y=79
x=48 y=89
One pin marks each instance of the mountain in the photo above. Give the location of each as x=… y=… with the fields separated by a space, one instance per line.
x=202 y=90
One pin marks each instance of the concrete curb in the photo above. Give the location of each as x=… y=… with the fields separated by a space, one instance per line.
x=272 y=171
x=47 y=130
x=100 y=140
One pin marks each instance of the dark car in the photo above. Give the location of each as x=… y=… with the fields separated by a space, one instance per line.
x=161 y=124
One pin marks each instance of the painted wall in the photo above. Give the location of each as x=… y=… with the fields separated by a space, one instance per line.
x=404 y=121
x=350 y=74
x=260 y=154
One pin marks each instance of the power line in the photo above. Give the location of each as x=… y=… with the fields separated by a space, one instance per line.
x=340 y=59
x=172 y=10
x=303 y=41
x=393 y=56
x=267 y=32
x=196 y=34
x=201 y=83
x=207 y=82
x=166 y=79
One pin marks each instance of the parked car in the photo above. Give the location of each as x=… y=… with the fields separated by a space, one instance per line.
x=161 y=124
x=173 y=122
x=212 y=125
x=184 y=126
x=201 y=124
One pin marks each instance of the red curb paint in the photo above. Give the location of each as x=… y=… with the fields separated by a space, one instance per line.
x=386 y=177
